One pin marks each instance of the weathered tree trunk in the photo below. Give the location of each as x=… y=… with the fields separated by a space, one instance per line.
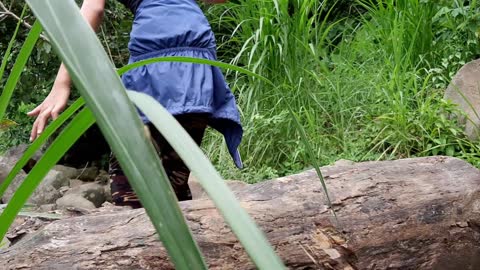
x=409 y=214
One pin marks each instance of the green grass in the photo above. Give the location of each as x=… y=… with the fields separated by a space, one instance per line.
x=71 y=38
x=365 y=79
x=364 y=87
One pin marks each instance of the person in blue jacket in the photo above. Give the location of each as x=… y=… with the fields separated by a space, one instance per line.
x=197 y=95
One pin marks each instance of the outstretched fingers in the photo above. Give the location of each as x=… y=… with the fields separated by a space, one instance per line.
x=40 y=123
x=35 y=111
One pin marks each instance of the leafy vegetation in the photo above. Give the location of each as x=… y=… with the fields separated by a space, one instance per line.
x=366 y=83
x=359 y=80
x=365 y=79
x=72 y=38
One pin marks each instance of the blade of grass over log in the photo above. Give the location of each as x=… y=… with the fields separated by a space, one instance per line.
x=310 y=154
x=242 y=225
x=312 y=158
x=104 y=94
x=29 y=211
x=53 y=154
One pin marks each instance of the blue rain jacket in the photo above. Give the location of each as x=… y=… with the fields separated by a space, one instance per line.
x=179 y=28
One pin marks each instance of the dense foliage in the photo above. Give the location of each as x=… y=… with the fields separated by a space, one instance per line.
x=72 y=40
x=366 y=78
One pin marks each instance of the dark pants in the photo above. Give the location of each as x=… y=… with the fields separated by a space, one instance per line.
x=177 y=171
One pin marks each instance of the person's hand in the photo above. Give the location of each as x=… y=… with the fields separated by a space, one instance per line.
x=51 y=107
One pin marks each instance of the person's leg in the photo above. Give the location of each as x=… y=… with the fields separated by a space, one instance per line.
x=177 y=171
x=122 y=192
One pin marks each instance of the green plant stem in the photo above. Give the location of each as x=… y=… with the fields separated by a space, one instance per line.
x=8 y=52
x=18 y=67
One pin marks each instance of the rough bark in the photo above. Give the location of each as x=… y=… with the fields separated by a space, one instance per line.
x=408 y=214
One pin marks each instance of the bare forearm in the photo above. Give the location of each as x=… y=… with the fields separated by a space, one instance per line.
x=62 y=81
x=92 y=11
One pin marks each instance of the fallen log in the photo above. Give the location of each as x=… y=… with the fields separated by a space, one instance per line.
x=408 y=214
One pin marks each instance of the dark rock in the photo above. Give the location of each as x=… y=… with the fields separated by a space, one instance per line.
x=56 y=179
x=88 y=174
x=103 y=178
x=69 y=172
x=92 y=192
x=16 y=152
x=46 y=193
x=6 y=166
x=108 y=193
x=76 y=183
x=90 y=150
x=75 y=201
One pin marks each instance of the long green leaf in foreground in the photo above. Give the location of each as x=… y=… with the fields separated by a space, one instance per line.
x=39 y=142
x=185 y=59
x=18 y=67
x=59 y=147
x=6 y=56
x=242 y=225
x=105 y=95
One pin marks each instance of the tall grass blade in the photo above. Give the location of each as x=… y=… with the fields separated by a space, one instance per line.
x=6 y=56
x=104 y=94
x=19 y=65
x=242 y=225
x=311 y=157
x=53 y=154
x=191 y=60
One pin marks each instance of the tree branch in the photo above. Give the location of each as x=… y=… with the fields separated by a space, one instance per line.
x=7 y=12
